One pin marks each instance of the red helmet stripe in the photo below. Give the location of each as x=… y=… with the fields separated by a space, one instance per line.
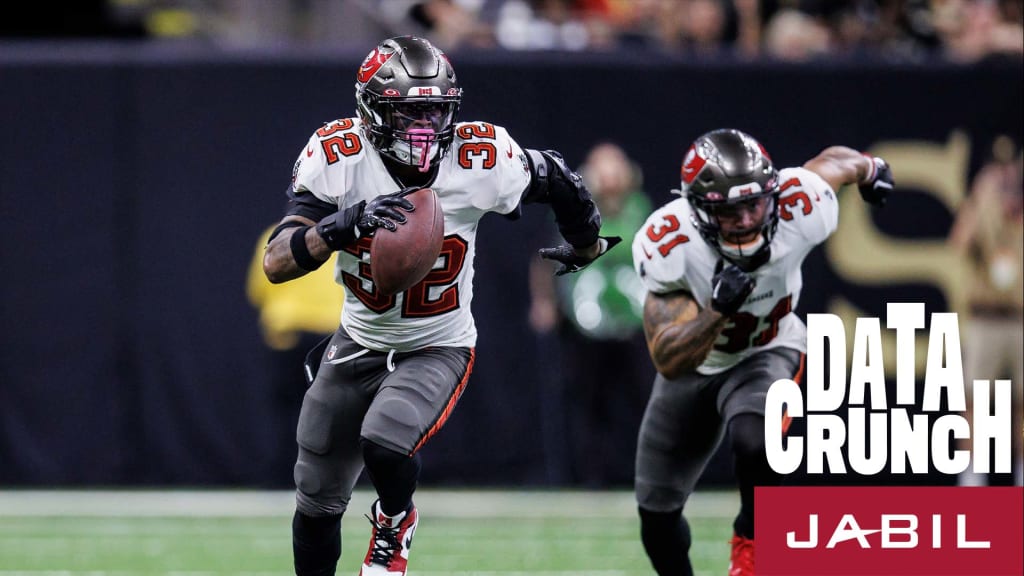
x=692 y=165
x=373 y=62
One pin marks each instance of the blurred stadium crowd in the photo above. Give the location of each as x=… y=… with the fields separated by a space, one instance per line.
x=787 y=30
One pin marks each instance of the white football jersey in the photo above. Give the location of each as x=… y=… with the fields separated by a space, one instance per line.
x=483 y=171
x=670 y=255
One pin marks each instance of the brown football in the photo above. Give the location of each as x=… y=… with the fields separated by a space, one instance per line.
x=400 y=259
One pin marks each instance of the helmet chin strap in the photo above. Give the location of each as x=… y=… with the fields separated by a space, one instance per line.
x=742 y=250
x=747 y=256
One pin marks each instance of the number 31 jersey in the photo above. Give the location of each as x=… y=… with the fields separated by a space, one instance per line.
x=483 y=171
x=670 y=255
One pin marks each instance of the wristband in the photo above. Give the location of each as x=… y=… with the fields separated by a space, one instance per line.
x=874 y=169
x=300 y=252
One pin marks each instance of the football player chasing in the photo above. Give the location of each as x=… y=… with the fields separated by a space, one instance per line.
x=390 y=376
x=722 y=269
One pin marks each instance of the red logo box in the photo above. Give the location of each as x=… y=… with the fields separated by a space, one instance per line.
x=881 y=531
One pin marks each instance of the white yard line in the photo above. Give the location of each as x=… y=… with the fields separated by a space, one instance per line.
x=432 y=502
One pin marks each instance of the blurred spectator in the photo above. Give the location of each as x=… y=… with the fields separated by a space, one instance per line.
x=540 y=25
x=451 y=24
x=989 y=232
x=748 y=27
x=594 y=318
x=610 y=22
x=864 y=27
x=973 y=29
x=795 y=36
x=702 y=26
x=294 y=317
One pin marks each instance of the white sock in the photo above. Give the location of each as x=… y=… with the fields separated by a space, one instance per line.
x=392 y=520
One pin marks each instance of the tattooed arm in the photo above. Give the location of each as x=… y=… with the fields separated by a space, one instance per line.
x=679 y=334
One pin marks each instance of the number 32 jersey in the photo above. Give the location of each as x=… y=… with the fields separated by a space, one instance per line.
x=483 y=171
x=670 y=255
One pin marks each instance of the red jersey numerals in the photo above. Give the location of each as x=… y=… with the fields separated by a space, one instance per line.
x=468 y=151
x=338 y=139
x=372 y=298
x=739 y=333
x=794 y=198
x=417 y=302
x=658 y=231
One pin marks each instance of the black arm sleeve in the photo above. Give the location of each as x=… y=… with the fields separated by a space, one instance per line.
x=552 y=182
x=305 y=204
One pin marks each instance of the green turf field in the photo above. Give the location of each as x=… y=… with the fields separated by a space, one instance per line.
x=461 y=533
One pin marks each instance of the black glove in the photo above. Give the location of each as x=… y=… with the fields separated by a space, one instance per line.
x=876 y=190
x=382 y=211
x=729 y=289
x=572 y=262
x=346 y=226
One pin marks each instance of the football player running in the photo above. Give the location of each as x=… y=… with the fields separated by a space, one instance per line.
x=390 y=376
x=722 y=269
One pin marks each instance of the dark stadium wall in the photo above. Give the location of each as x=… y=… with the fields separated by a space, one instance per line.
x=135 y=183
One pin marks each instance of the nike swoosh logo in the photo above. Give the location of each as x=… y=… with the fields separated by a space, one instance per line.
x=687 y=169
x=509 y=150
x=407 y=543
x=309 y=152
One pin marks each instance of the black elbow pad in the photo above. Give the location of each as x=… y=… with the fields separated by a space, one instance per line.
x=552 y=182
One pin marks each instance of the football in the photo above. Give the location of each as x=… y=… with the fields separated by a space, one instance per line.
x=400 y=259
